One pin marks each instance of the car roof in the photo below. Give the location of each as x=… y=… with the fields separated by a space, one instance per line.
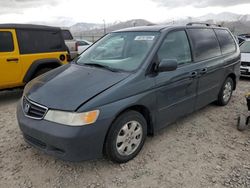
x=27 y=26
x=144 y=28
x=158 y=28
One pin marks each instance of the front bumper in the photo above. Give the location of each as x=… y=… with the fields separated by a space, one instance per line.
x=245 y=71
x=65 y=142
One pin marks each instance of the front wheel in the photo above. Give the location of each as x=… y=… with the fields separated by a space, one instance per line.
x=225 y=92
x=126 y=137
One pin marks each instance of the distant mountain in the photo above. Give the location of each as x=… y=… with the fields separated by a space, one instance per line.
x=84 y=26
x=129 y=23
x=244 y=18
x=237 y=23
x=91 y=29
x=211 y=18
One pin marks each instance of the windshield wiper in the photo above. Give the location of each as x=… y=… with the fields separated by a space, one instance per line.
x=101 y=66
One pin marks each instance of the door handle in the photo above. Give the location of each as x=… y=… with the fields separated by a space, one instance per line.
x=12 y=59
x=193 y=74
x=203 y=71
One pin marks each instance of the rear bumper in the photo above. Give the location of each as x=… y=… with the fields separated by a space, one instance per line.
x=65 y=142
x=73 y=54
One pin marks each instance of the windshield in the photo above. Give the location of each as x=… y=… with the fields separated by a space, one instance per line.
x=123 y=51
x=245 y=47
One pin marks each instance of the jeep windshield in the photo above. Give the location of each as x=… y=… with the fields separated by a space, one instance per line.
x=121 y=51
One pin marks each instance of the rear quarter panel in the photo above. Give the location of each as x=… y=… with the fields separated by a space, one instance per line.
x=28 y=59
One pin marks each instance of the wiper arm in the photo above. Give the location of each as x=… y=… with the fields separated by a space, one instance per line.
x=101 y=66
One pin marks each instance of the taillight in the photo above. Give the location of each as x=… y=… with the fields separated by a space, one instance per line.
x=76 y=46
x=68 y=57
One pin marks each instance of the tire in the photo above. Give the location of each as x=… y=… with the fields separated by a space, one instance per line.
x=41 y=71
x=225 y=92
x=241 y=123
x=126 y=137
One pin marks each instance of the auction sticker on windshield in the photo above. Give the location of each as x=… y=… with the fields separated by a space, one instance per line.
x=144 y=37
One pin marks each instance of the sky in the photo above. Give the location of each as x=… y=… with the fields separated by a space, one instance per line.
x=68 y=12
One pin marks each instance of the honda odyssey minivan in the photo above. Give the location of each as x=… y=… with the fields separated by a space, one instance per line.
x=130 y=84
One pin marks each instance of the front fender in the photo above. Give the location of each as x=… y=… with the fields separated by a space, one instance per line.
x=112 y=110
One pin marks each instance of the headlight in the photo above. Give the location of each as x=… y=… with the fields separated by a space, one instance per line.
x=72 y=118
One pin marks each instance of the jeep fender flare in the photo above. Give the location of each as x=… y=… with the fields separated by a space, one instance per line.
x=39 y=64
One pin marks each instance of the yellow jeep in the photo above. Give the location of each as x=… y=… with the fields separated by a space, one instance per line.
x=27 y=51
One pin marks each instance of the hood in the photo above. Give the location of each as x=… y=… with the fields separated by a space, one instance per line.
x=245 y=57
x=70 y=86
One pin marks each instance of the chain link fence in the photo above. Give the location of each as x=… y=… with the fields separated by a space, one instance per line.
x=91 y=38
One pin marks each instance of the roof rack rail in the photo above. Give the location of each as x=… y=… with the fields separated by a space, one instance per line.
x=202 y=23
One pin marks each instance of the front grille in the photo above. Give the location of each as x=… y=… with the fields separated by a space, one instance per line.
x=43 y=145
x=33 y=110
x=245 y=73
x=245 y=64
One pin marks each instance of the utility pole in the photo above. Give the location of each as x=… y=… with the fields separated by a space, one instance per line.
x=134 y=23
x=104 y=27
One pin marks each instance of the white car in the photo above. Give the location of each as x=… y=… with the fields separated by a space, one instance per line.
x=245 y=59
x=83 y=45
x=70 y=42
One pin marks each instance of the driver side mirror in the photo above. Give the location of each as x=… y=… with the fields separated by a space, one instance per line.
x=167 y=65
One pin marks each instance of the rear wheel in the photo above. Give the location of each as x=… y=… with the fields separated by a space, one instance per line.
x=126 y=137
x=225 y=92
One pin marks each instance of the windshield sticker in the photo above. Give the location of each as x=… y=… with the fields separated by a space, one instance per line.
x=144 y=37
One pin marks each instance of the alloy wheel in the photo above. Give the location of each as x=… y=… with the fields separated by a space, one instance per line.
x=129 y=138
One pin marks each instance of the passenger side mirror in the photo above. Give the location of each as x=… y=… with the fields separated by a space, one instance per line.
x=167 y=65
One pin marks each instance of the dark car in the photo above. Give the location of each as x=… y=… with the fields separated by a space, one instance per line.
x=110 y=98
x=245 y=59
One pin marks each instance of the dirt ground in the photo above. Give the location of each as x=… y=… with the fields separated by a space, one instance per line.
x=201 y=150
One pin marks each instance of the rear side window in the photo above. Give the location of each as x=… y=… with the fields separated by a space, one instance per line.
x=226 y=41
x=205 y=44
x=175 y=46
x=6 y=42
x=67 y=35
x=40 y=41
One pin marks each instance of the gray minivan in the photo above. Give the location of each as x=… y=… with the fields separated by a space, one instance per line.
x=130 y=84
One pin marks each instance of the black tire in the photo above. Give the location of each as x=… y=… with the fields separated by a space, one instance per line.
x=222 y=101
x=241 y=123
x=117 y=129
x=41 y=71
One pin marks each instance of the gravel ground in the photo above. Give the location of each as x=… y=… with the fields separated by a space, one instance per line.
x=201 y=150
